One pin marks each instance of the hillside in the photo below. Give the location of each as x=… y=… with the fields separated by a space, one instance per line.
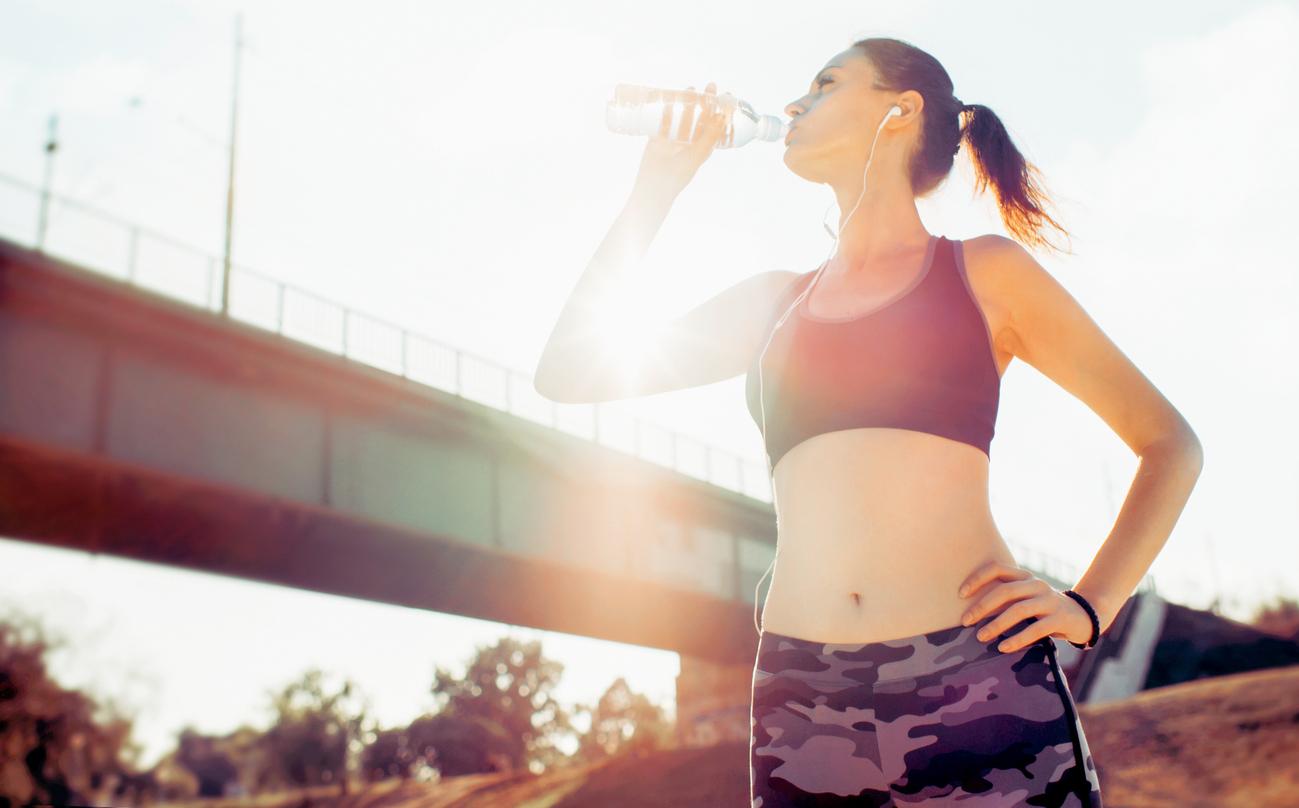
x=1227 y=741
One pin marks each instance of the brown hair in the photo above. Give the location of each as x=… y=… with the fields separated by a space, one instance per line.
x=901 y=66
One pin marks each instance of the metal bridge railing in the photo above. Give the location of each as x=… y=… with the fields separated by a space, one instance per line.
x=142 y=257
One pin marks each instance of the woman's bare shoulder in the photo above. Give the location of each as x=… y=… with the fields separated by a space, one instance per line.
x=988 y=250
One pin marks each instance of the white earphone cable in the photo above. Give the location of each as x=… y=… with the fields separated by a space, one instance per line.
x=894 y=110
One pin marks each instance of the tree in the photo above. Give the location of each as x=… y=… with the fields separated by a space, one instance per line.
x=508 y=685
x=202 y=757
x=57 y=746
x=623 y=722
x=458 y=743
x=221 y=765
x=389 y=754
x=315 y=735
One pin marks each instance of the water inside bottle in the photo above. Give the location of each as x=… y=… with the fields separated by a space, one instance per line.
x=639 y=110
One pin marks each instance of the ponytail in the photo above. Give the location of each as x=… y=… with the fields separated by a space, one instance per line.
x=1015 y=182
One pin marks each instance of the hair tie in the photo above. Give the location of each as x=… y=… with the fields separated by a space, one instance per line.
x=1091 y=613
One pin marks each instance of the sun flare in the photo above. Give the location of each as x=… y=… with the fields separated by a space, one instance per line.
x=628 y=335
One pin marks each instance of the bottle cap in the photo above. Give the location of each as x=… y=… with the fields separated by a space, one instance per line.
x=771 y=127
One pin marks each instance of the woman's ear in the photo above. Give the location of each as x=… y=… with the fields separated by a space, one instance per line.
x=912 y=103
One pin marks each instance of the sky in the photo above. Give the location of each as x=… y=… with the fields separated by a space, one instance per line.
x=383 y=149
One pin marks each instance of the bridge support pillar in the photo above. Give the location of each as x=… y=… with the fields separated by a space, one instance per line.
x=712 y=702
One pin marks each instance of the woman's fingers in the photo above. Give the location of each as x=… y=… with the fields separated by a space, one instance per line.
x=665 y=122
x=694 y=118
x=998 y=597
x=691 y=117
x=702 y=116
x=715 y=118
x=1010 y=617
x=1037 y=630
x=991 y=571
x=687 y=103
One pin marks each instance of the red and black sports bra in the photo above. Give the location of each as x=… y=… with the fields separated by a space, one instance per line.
x=922 y=361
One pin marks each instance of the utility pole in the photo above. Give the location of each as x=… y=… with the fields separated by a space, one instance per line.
x=230 y=181
x=51 y=146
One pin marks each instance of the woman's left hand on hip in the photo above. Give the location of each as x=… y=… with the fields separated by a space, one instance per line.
x=1058 y=615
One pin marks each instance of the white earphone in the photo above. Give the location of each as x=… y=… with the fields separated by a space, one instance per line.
x=893 y=111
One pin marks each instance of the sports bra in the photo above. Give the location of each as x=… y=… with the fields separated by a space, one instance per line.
x=921 y=361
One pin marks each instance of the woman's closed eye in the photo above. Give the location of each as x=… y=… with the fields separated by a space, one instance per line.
x=823 y=80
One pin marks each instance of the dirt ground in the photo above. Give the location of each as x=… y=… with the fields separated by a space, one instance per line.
x=1212 y=743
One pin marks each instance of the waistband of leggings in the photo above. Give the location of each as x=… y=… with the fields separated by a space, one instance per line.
x=905 y=657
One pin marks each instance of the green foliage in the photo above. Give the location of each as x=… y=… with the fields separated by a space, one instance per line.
x=57 y=746
x=509 y=685
x=623 y=722
x=389 y=754
x=457 y=744
x=500 y=715
x=315 y=736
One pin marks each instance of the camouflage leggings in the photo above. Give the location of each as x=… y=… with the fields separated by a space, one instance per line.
x=940 y=718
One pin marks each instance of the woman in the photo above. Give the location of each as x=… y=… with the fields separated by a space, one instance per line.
x=904 y=656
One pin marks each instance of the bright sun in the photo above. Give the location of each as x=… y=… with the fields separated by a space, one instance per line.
x=629 y=334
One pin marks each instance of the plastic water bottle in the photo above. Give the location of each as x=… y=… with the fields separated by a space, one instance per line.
x=637 y=110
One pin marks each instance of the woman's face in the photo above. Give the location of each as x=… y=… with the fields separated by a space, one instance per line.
x=833 y=124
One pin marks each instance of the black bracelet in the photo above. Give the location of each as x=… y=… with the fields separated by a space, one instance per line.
x=1096 y=622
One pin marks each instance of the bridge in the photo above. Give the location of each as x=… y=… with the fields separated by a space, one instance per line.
x=138 y=421
x=143 y=427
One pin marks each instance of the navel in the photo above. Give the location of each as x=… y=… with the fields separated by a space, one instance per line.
x=856 y=598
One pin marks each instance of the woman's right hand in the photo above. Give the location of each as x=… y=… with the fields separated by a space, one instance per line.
x=669 y=165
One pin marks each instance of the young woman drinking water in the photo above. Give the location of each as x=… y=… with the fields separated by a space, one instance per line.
x=904 y=656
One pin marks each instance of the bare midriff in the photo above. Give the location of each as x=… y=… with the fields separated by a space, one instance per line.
x=877 y=528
